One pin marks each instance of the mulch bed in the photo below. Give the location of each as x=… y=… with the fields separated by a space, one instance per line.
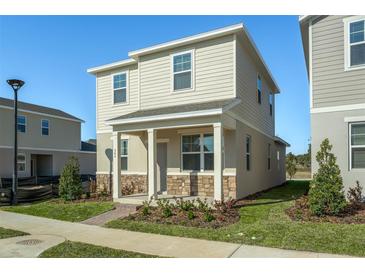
x=180 y=217
x=353 y=214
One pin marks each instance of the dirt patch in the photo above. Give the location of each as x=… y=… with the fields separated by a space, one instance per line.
x=353 y=214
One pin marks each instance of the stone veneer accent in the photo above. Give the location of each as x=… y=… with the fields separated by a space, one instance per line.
x=199 y=185
x=104 y=182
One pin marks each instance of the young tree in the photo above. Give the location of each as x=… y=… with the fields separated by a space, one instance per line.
x=291 y=165
x=326 y=194
x=70 y=187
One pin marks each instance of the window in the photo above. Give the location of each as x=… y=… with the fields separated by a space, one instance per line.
x=259 y=89
x=21 y=123
x=357 y=43
x=182 y=71
x=197 y=152
x=271 y=102
x=21 y=162
x=124 y=154
x=120 y=88
x=269 y=156
x=45 y=127
x=248 y=152
x=357 y=145
x=278 y=158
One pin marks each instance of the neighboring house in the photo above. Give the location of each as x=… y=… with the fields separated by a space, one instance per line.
x=194 y=116
x=47 y=137
x=334 y=48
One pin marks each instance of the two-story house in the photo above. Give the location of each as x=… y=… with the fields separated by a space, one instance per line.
x=334 y=48
x=47 y=138
x=194 y=116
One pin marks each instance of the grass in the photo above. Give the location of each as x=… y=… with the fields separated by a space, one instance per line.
x=65 y=211
x=70 y=249
x=265 y=223
x=7 y=233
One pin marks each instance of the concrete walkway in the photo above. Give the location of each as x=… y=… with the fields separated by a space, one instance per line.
x=153 y=244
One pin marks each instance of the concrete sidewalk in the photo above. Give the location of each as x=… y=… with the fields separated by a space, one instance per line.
x=154 y=244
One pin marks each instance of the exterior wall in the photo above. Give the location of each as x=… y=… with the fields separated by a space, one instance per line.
x=250 y=110
x=331 y=125
x=63 y=134
x=332 y=85
x=87 y=162
x=259 y=177
x=138 y=182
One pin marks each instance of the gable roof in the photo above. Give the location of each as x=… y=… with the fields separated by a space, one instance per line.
x=238 y=29
x=37 y=109
x=173 y=112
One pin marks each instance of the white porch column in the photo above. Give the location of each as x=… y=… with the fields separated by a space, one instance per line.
x=152 y=163
x=218 y=167
x=117 y=187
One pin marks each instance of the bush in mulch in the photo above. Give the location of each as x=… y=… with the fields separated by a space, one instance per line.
x=194 y=213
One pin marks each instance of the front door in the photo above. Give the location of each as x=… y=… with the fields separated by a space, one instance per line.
x=161 y=167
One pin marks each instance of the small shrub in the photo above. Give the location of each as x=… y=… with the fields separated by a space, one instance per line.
x=224 y=206
x=326 y=194
x=167 y=212
x=165 y=207
x=70 y=187
x=185 y=205
x=291 y=165
x=208 y=216
x=191 y=215
x=354 y=195
x=146 y=207
x=202 y=205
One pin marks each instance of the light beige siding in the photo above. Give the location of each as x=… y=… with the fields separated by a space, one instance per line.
x=250 y=110
x=332 y=85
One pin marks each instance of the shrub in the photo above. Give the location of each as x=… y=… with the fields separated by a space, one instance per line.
x=165 y=207
x=208 y=216
x=185 y=205
x=70 y=187
x=291 y=165
x=202 y=205
x=224 y=206
x=146 y=207
x=191 y=215
x=354 y=195
x=326 y=194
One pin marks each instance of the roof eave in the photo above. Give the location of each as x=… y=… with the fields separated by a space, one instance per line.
x=110 y=66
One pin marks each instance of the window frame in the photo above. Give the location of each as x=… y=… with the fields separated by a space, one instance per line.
x=350 y=146
x=259 y=90
x=21 y=162
x=248 y=152
x=201 y=152
x=124 y=155
x=25 y=123
x=192 y=70
x=126 y=72
x=47 y=127
x=347 y=44
x=271 y=103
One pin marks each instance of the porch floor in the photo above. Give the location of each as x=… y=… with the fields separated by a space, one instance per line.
x=138 y=199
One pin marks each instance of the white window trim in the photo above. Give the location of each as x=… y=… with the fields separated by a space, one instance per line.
x=257 y=89
x=355 y=146
x=22 y=162
x=25 y=123
x=248 y=153
x=347 y=52
x=201 y=152
x=42 y=127
x=172 y=73
x=125 y=155
x=126 y=72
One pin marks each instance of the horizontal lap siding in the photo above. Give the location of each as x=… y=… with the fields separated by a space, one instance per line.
x=214 y=61
x=252 y=112
x=105 y=108
x=332 y=85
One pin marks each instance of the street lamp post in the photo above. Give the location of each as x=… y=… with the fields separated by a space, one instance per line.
x=16 y=85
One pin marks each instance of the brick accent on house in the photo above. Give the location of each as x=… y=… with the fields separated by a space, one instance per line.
x=199 y=185
x=138 y=183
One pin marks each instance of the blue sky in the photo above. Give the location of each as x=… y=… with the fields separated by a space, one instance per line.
x=51 y=54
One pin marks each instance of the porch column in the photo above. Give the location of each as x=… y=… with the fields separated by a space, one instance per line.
x=117 y=193
x=218 y=167
x=152 y=163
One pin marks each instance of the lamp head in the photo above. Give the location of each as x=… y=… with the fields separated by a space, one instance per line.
x=15 y=83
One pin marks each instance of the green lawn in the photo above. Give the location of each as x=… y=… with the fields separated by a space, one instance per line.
x=66 y=211
x=80 y=250
x=7 y=233
x=265 y=224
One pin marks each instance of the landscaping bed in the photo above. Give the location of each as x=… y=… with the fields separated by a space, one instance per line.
x=193 y=213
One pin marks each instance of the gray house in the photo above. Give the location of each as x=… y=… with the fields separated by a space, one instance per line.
x=47 y=137
x=334 y=48
x=193 y=116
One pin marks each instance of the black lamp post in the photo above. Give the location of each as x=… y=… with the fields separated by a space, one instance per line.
x=16 y=85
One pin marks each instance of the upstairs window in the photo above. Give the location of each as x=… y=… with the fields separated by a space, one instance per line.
x=357 y=43
x=124 y=154
x=21 y=123
x=182 y=71
x=259 y=89
x=45 y=127
x=271 y=102
x=120 y=88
